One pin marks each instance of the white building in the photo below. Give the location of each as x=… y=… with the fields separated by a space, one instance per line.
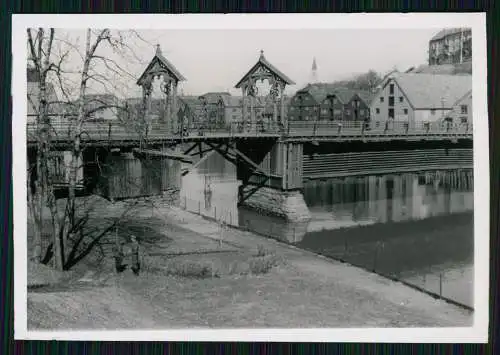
x=418 y=97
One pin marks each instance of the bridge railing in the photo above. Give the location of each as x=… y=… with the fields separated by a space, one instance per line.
x=101 y=131
x=375 y=128
x=204 y=129
x=118 y=131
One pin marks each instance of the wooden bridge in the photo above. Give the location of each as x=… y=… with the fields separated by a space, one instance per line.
x=272 y=154
x=117 y=134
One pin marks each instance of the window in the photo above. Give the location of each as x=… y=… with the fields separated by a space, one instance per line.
x=463 y=120
x=463 y=109
x=391 y=100
x=381 y=99
x=401 y=99
x=377 y=110
x=405 y=111
x=391 y=89
x=433 y=112
x=391 y=113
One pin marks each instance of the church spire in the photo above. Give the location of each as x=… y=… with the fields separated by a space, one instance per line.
x=314 y=71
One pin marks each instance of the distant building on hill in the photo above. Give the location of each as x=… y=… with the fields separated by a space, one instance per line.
x=451 y=46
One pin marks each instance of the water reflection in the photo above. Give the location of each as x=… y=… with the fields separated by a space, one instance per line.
x=352 y=201
x=414 y=226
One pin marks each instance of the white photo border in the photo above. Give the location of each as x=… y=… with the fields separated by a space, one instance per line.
x=477 y=21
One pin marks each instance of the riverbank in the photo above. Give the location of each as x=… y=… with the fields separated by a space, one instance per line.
x=194 y=278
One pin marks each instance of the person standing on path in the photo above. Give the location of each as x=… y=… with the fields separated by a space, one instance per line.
x=119 y=256
x=136 y=264
x=222 y=226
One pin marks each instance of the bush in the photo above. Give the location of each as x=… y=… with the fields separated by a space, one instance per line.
x=262 y=251
x=263 y=264
x=191 y=269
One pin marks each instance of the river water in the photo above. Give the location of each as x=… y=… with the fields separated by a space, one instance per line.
x=416 y=227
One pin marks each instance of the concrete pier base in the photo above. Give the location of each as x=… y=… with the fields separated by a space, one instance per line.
x=272 y=227
x=288 y=205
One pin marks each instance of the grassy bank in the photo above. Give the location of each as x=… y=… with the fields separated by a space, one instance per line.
x=193 y=278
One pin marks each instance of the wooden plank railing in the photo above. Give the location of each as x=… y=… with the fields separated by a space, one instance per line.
x=116 y=131
x=375 y=128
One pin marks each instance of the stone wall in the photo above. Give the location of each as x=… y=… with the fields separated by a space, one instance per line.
x=289 y=205
x=169 y=197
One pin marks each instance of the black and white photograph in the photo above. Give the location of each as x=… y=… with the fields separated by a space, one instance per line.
x=224 y=177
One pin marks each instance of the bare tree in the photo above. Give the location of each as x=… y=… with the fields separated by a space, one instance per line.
x=67 y=224
x=43 y=194
x=368 y=80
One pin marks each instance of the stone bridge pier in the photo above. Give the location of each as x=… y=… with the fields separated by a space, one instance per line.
x=271 y=176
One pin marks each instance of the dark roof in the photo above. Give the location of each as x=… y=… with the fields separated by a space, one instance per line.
x=159 y=62
x=222 y=93
x=266 y=64
x=366 y=96
x=194 y=104
x=232 y=101
x=320 y=91
x=101 y=99
x=447 y=32
x=213 y=97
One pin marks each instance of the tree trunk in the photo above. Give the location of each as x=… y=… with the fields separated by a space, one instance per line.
x=76 y=151
x=47 y=185
x=44 y=192
x=34 y=208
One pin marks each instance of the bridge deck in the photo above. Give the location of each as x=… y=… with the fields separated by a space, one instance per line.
x=118 y=134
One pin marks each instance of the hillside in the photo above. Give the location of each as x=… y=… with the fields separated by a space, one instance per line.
x=453 y=69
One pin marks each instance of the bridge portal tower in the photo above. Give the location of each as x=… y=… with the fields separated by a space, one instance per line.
x=161 y=68
x=263 y=70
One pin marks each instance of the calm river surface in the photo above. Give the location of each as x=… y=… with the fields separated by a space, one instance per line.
x=417 y=227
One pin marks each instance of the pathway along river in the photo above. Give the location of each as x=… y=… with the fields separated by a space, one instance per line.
x=416 y=227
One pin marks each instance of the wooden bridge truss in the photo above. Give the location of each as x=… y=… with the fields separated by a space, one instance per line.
x=249 y=162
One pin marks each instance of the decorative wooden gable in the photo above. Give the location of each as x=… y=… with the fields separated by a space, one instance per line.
x=262 y=70
x=160 y=66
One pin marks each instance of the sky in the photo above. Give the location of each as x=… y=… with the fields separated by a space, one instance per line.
x=215 y=60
